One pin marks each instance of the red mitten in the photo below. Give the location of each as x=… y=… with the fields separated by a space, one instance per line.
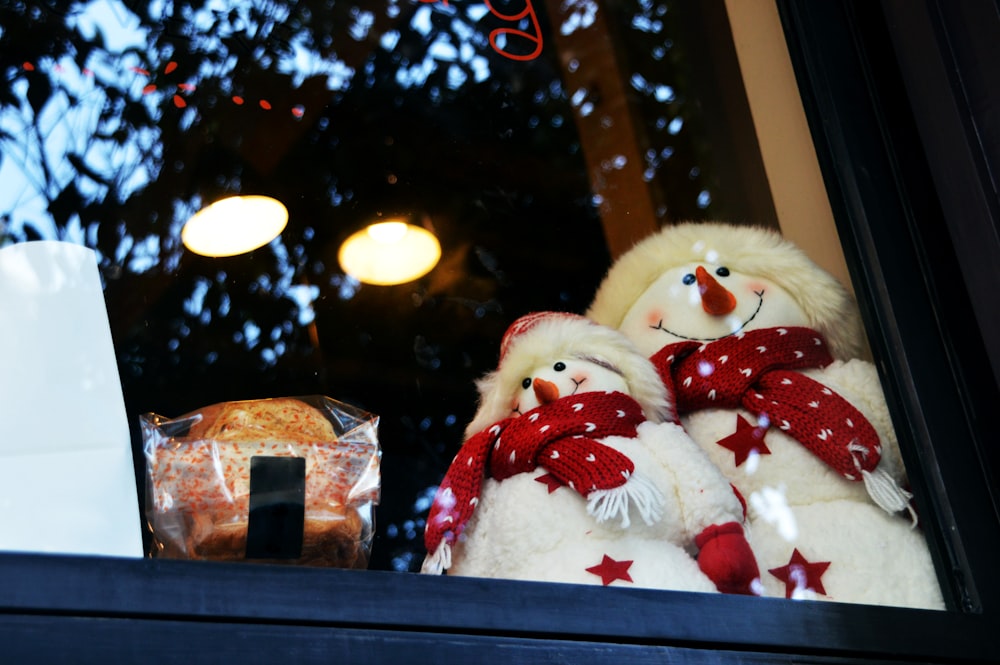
x=724 y=555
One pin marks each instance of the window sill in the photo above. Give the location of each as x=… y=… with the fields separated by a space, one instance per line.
x=142 y=606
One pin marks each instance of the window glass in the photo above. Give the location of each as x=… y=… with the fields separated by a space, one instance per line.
x=536 y=140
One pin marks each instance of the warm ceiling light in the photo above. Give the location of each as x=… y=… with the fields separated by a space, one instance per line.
x=234 y=225
x=389 y=253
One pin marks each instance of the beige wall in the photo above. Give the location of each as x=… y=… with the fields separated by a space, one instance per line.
x=785 y=143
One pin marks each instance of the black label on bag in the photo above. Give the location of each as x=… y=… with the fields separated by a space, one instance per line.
x=277 y=507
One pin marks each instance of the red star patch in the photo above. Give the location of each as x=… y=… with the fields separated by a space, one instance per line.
x=801 y=574
x=745 y=440
x=610 y=570
x=549 y=481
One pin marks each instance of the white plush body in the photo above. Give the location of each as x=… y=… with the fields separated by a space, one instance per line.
x=794 y=499
x=520 y=531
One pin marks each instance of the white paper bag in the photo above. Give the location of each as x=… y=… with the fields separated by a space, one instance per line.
x=67 y=483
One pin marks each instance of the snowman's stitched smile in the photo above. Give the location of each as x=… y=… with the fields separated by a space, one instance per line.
x=760 y=303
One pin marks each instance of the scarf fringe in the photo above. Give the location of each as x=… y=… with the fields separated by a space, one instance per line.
x=881 y=486
x=438 y=562
x=608 y=504
x=889 y=496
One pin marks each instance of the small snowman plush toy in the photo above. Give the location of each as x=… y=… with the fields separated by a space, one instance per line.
x=570 y=473
x=763 y=351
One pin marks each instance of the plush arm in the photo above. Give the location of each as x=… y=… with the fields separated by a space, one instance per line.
x=704 y=496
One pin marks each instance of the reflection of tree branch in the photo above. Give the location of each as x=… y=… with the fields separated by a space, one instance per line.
x=23 y=161
x=47 y=178
x=608 y=130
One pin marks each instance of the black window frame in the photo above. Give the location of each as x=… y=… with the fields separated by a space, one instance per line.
x=887 y=96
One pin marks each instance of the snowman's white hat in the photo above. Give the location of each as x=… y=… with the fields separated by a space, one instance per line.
x=541 y=337
x=749 y=250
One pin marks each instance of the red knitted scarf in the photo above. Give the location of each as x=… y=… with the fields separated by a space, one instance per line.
x=756 y=370
x=559 y=436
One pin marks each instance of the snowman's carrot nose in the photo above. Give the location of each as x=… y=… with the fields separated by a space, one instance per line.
x=545 y=391
x=715 y=299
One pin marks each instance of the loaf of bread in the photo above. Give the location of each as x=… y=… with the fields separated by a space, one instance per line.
x=335 y=539
x=246 y=422
x=199 y=481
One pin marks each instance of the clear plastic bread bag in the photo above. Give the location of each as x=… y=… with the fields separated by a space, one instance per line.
x=282 y=480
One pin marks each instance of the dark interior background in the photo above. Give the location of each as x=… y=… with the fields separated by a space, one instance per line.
x=347 y=112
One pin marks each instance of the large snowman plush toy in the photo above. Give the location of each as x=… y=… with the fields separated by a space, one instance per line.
x=569 y=473
x=763 y=351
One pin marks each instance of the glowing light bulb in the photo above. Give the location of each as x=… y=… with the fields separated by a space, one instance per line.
x=234 y=225
x=387 y=233
x=391 y=252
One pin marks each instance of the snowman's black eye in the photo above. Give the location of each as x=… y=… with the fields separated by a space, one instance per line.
x=689 y=278
x=526 y=383
x=722 y=272
x=559 y=366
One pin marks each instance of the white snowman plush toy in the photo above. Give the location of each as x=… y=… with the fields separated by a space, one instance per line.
x=763 y=352
x=569 y=473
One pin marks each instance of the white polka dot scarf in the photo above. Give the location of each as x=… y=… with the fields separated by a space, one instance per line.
x=756 y=370
x=559 y=436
